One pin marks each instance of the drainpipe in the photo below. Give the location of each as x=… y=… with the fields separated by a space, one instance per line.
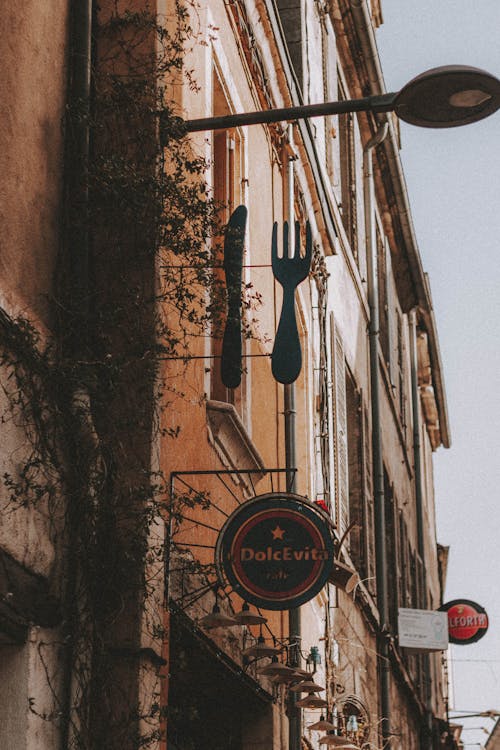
x=77 y=244
x=294 y=625
x=426 y=736
x=378 y=465
x=77 y=159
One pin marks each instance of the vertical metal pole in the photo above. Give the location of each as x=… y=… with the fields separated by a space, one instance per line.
x=294 y=629
x=378 y=465
x=426 y=735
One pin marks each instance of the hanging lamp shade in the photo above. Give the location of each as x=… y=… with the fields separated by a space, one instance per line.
x=247 y=617
x=285 y=678
x=276 y=668
x=261 y=649
x=217 y=619
x=337 y=741
x=307 y=686
x=302 y=673
x=312 y=701
x=322 y=724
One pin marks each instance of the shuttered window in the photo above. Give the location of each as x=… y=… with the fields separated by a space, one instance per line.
x=383 y=297
x=227 y=173
x=348 y=181
x=353 y=465
x=340 y=430
x=355 y=471
x=362 y=539
x=393 y=566
x=401 y=375
x=369 y=572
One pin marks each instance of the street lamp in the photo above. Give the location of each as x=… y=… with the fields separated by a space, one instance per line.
x=443 y=97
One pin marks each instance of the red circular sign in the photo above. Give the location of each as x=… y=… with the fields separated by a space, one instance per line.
x=276 y=551
x=467 y=621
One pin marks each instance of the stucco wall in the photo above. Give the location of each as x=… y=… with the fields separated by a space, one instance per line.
x=32 y=96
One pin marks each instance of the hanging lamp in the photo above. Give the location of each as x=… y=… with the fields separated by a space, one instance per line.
x=322 y=724
x=261 y=649
x=312 y=701
x=246 y=617
x=308 y=686
x=337 y=740
x=217 y=619
x=275 y=668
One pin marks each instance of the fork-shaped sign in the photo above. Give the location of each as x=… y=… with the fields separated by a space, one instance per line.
x=286 y=360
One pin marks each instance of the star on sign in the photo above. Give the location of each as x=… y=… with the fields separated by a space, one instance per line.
x=277 y=533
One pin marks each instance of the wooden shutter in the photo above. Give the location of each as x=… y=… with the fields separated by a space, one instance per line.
x=368 y=506
x=382 y=297
x=401 y=372
x=355 y=471
x=340 y=431
x=390 y=312
x=392 y=551
x=404 y=594
x=421 y=588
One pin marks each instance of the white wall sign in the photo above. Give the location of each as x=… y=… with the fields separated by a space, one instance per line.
x=423 y=630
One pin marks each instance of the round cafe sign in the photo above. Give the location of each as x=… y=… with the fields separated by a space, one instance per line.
x=276 y=551
x=467 y=621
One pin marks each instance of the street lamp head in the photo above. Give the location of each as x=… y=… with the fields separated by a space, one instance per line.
x=448 y=96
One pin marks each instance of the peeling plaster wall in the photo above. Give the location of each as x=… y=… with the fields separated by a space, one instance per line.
x=13 y=684
x=33 y=50
x=28 y=707
x=32 y=97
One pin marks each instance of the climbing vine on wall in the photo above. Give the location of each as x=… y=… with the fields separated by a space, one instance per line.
x=89 y=396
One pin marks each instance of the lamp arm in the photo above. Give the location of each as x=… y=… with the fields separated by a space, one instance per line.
x=377 y=103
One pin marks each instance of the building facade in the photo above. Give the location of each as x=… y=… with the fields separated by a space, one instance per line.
x=368 y=409
x=354 y=433
x=492 y=740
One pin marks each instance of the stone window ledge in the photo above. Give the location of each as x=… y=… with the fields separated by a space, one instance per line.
x=231 y=440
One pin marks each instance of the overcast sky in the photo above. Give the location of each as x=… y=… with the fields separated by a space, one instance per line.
x=453 y=179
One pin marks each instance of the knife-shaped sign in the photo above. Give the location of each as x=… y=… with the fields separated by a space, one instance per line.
x=233 y=263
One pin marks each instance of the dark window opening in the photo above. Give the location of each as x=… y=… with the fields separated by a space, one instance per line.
x=290 y=13
x=348 y=178
x=209 y=706
x=361 y=515
x=226 y=155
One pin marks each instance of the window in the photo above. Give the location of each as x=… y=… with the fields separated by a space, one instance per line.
x=348 y=177
x=291 y=17
x=392 y=551
x=353 y=470
x=353 y=720
x=227 y=191
x=401 y=371
x=340 y=431
x=383 y=297
x=404 y=572
x=361 y=514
